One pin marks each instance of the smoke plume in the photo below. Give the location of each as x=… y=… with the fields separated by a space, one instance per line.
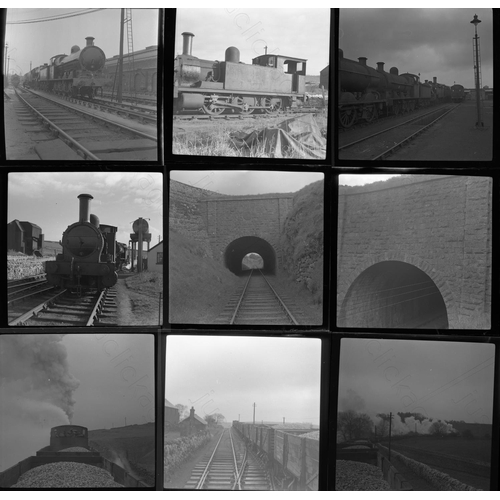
x=411 y=424
x=36 y=393
x=37 y=365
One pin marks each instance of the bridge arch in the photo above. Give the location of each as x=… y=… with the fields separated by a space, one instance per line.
x=395 y=290
x=238 y=248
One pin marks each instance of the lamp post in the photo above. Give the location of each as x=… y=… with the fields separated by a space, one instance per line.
x=475 y=22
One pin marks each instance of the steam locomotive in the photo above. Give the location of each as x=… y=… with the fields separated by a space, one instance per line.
x=88 y=260
x=365 y=92
x=272 y=82
x=77 y=75
x=457 y=93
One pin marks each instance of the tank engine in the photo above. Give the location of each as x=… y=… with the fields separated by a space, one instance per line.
x=457 y=93
x=270 y=83
x=366 y=92
x=89 y=254
x=77 y=75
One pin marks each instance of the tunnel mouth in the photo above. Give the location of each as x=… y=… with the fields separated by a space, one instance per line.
x=252 y=260
x=239 y=248
x=393 y=294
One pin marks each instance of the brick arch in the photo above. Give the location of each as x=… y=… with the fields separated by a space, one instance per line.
x=438 y=279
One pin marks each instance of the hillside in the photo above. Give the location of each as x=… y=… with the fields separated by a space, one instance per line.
x=131 y=447
x=302 y=240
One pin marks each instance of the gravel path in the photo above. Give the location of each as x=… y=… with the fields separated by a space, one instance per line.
x=358 y=476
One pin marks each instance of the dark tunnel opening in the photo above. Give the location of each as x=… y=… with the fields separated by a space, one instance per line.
x=393 y=294
x=237 y=249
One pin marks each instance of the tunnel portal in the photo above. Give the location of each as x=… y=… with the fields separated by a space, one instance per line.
x=393 y=294
x=237 y=249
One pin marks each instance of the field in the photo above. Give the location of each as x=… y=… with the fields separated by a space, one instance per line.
x=131 y=447
x=463 y=459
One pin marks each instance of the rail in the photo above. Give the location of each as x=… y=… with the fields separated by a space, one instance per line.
x=204 y=474
x=97 y=308
x=237 y=473
x=240 y=301
x=88 y=115
x=412 y=136
x=282 y=304
x=412 y=119
x=32 y=312
x=85 y=153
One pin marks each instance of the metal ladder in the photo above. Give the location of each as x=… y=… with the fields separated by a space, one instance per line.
x=130 y=48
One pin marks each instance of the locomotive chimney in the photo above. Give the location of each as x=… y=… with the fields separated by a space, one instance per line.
x=85 y=207
x=362 y=60
x=90 y=41
x=434 y=79
x=380 y=66
x=187 y=44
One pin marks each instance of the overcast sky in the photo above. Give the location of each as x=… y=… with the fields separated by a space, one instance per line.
x=302 y=33
x=432 y=42
x=442 y=380
x=241 y=182
x=228 y=374
x=38 y=42
x=93 y=380
x=49 y=199
x=362 y=179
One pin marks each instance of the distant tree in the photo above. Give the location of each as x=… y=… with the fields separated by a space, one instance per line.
x=210 y=419
x=438 y=428
x=382 y=427
x=219 y=418
x=183 y=411
x=353 y=425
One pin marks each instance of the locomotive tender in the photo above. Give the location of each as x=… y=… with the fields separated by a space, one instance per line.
x=64 y=441
x=365 y=92
x=272 y=82
x=76 y=75
x=88 y=260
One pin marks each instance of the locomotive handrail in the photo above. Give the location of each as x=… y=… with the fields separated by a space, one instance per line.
x=60 y=132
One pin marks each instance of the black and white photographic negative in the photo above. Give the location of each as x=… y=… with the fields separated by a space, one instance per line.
x=416 y=84
x=414 y=415
x=82 y=84
x=257 y=86
x=67 y=266
x=246 y=247
x=414 y=251
x=77 y=411
x=242 y=413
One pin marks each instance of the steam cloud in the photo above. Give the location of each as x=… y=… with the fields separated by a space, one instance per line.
x=36 y=367
x=36 y=393
x=411 y=424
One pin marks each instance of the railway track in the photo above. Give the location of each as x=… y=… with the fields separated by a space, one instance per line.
x=60 y=308
x=229 y=467
x=23 y=288
x=68 y=131
x=257 y=303
x=383 y=143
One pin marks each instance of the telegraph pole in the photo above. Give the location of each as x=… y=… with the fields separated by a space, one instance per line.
x=390 y=432
x=477 y=70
